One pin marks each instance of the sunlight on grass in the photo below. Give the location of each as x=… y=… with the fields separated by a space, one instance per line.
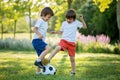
x=17 y=36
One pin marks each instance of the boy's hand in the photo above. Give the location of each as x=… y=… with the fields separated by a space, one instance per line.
x=81 y=17
x=40 y=36
x=83 y=22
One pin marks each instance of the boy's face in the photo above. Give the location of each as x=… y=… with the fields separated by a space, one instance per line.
x=47 y=17
x=70 y=20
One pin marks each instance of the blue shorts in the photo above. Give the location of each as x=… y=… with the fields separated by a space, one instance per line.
x=39 y=45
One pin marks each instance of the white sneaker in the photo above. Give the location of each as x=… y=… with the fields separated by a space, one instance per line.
x=72 y=73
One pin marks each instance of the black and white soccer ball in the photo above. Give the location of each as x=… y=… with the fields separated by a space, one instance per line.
x=49 y=70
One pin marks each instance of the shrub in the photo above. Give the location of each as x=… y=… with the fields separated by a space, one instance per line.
x=94 y=47
x=117 y=48
x=94 y=44
x=1 y=44
x=15 y=44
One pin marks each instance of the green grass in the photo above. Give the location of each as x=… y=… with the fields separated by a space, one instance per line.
x=18 y=65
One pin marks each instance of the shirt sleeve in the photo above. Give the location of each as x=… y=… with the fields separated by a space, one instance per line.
x=80 y=25
x=38 y=23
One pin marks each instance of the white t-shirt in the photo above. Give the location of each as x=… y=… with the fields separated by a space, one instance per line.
x=42 y=28
x=69 y=30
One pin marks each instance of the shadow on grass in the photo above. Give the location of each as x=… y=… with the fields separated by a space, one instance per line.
x=99 y=68
x=11 y=69
x=17 y=52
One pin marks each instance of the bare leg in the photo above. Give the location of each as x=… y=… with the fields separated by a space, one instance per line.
x=57 y=49
x=38 y=62
x=72 y=60
x=44 y=53
x=38 y=70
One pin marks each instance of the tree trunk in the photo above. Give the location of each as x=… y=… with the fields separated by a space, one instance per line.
x=1 y=30
x=69 y=3
x=1 y=21
x=118 y=16
x=15 y=28
x=30 y=23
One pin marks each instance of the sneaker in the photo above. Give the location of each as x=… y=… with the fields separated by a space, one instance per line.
x=72 y=73
x=39 y=64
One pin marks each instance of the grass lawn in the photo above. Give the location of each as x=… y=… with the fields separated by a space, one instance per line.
x=18 y=65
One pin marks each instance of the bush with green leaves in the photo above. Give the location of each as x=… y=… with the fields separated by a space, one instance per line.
x=94 y=47
x=117 y=48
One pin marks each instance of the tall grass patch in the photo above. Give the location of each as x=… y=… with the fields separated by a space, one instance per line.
x=15 y=44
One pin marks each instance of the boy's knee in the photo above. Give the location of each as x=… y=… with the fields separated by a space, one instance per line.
x=72 y=60
x=48 y=47
x=58 y=47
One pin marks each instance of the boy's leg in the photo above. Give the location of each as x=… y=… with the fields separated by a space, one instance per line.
x=71 y=52
x=44 y=53
x=41 y=57
x=57 y=49
x=72 y=60
x=38 y=70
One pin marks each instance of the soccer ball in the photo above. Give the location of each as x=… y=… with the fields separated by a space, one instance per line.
x=49 y=70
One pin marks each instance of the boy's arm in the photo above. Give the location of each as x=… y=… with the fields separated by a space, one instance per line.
x=56 y=32
x=35 y=29
x=83 y=22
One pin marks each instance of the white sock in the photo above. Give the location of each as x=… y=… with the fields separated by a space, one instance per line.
x=37 y=72
x=38 y=60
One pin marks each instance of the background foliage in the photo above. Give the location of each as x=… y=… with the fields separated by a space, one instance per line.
x=16 y=16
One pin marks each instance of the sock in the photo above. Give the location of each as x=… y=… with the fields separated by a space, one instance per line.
x=38 y=72
x=38 y=60
x=73 y=72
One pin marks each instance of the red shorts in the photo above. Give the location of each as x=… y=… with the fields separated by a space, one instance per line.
x=70 y=46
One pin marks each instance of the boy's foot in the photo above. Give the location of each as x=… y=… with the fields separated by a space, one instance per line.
x=72 y=73
x=45 y=61
x=39 y=64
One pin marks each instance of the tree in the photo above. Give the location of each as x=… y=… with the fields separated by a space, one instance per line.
x=1 y=16
x=17 y=10
x=104 y=4
x=3 y=11
x=11 y=11
x=69 y=3
x=59 y=9
x=17 y=13
x=86 y=8
x=118 y=16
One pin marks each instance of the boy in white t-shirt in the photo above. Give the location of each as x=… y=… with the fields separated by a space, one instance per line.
x=38 y=41
x=68 y=31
